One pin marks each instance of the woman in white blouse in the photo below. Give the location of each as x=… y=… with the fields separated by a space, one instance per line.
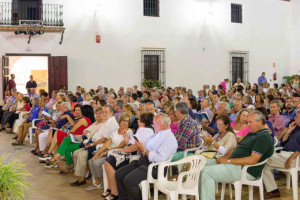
x=116 y=140
x=222 y=141
x=144 y=132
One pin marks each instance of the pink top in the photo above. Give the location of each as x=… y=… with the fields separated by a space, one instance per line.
x=243 y=132
x=223 y=83
x=173 y=127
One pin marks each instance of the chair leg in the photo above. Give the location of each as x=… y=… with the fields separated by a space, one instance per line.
x=105 y=184
x=238 y=191
x=173 y=196
x=155 y=194
x=230 y=190
x=217 y=188
x=197 y=197
x=184 y=196
x=223 y=190
x=261 y=191
x=294 y=175
x=144 y=188
x=250 y=189
x=288 y=180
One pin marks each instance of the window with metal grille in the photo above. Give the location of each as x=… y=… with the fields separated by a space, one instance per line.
x=151 y=8
x=239 y=62
x=236 y=13
x=153 y=65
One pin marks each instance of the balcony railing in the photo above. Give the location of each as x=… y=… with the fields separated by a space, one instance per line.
x=48 y=14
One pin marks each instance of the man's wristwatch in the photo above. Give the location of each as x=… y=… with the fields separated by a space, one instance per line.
x=228 y=161
x=144 y=152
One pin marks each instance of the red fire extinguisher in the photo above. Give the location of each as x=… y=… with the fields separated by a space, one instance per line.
x=275 y=76
x=98 y=39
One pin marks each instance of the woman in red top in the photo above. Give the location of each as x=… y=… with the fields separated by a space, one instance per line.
x=61 y=134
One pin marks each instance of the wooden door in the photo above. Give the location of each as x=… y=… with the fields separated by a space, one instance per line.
x=151 y=67
x=5 y=72
x=58 y=73
x=237 y=69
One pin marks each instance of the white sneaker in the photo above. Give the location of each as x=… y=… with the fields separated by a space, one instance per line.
x=46 y=158
x=94 y=187
x=51 y=166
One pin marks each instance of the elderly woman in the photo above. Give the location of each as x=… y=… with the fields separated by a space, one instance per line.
x=67 y=146
x=247 y=100
x=224 y=140
x=240 y=126
x=117 y=140
x=144 y=132
x=87 y=99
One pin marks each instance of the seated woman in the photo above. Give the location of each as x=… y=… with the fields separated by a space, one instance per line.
x=133 y=119
x=222 y=141
x=240 y=126
x=14 y=116
x=174 y=119
x=44 y=128
x=117 y=140
x=67 y=146
x=52 y=144
x=144 y=132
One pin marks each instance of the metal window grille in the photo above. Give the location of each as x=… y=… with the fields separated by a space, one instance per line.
x=239 y=67
x=151 y=8
x=236 y=13
x=153 y=65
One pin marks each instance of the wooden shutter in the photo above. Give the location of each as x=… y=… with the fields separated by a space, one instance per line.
x=237 y=69
x=58 y=73
x=5 y=72
x=151 y=67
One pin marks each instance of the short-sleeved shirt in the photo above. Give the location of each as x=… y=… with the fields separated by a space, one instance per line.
x=61 y=122
x=11 y=84
x=35 y=113
x=31 y=84
x=289 y=116
x=259 y=142
x=293 y=142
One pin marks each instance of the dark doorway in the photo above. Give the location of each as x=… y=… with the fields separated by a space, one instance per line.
x=151 y=67
x=237 y=69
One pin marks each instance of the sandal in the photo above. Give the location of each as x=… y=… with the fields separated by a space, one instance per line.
x=66 y=171
x=114 y=197
x=106 y=193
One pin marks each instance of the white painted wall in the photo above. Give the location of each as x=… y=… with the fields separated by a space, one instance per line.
x=295 y=38
x=197 y=35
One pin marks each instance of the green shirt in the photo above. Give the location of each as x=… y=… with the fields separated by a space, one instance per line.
x=259 y=142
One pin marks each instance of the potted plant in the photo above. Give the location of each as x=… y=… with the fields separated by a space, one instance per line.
x=148 y=83
x=12 y=183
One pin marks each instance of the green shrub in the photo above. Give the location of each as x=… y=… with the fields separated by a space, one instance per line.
x=12 y=183
x=148 y=83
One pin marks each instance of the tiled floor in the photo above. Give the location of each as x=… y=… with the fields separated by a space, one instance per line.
x=48 y=184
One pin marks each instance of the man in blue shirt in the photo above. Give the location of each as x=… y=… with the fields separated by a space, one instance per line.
x=283 y=159
x=262 y=79
x=35 y=113
x=160 y=147
x=290 y=112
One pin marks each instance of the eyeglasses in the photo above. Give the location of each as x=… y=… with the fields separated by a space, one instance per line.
x=124 y=120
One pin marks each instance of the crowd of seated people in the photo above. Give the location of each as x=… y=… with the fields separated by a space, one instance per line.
x=123 y=132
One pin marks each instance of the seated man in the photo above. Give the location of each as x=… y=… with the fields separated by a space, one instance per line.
x=159 y=147
x=256 y=147
x=187 y=134
x=35 y=113
x=237 y=106
x=275 y=118
x=205 y=103
x=283 y=159
x=290 y=112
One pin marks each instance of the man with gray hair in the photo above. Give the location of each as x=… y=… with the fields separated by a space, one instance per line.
x=286 y=158
x=205 y=102
x=187 y=133
x=275 y=118
x=159 y=147
x=118 y=107
x=223 y=109
x=256 y=147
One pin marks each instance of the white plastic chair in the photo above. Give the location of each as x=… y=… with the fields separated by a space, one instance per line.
x=291 y=172
x=145 y=184
x=30 y=131
x=197 y=149
x=238 y=184
x=187 y=182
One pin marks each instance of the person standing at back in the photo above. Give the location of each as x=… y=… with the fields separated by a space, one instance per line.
x=262 y=79
x=11 y=83
x=30 y=84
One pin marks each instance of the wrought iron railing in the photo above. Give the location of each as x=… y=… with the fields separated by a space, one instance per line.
x=11 y=13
